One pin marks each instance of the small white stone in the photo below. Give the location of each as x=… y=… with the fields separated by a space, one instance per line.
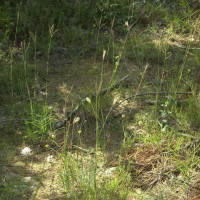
x=27 y=179
x=41 y=93
x=26 y=151
x=111 y=172
x=50 y=158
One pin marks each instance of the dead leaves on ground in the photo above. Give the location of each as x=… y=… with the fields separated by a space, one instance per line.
x=152 y=170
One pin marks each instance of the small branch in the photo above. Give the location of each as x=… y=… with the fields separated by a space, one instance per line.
x=43 y=87
x=134 y=23
x=151 y=93
x=186 y=135
x=45 y=79
x=62 y=123
x=186 y=47
x=112 y=87
x=6 y=120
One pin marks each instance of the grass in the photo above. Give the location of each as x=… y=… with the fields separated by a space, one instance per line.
x=54 y=55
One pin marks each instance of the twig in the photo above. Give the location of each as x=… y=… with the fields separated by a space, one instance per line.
x=192 y=48
x=62 y=123
x=142 y=94
x=133 y=24
x=43 y=87
x=45 y=79
x=112 y=87
x=5 y=120
x=186 y=135
x=151 y=93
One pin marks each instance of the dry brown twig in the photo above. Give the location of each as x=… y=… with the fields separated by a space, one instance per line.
x=189 y=48
x=62 y=123
x=151 y=93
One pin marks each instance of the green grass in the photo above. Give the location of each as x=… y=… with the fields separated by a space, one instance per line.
x=54 y=54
